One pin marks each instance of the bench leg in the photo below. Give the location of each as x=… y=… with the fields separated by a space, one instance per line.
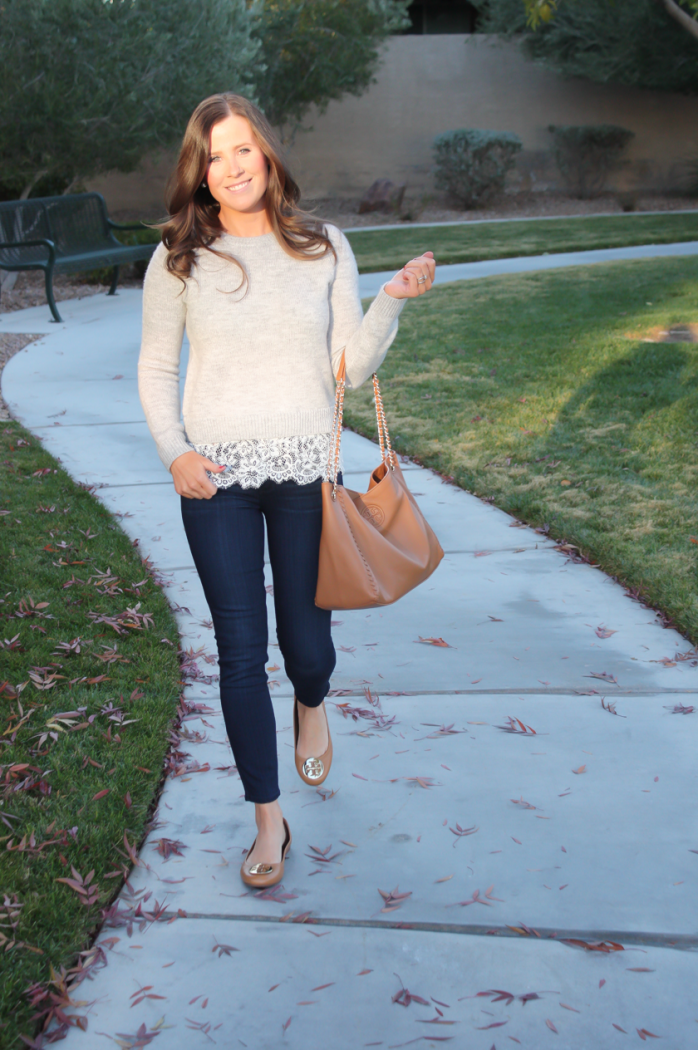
x=114 y=281
x=48 y=278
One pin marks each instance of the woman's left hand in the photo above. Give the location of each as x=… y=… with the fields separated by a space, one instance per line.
x=415 y=278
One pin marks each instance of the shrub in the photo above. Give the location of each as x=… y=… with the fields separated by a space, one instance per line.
x=585 y=154
x=471 y=165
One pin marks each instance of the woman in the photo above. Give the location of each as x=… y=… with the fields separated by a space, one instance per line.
x=269 y=298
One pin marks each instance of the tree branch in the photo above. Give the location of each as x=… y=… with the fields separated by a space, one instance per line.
x=682 y=17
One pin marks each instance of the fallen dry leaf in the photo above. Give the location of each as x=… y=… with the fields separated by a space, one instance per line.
x=603 y=632
x=521 y=802
x=460 y=832
x=525 y=931
x=144 y=993
x=516 y=726
x=224 y=949
x=551 y=1026
x=404 y=997
x=393 y=899
x=425 y=782
x=477 y=899
x=582 y=769
x=594 y=946
x=167 y=847
x=604 y=676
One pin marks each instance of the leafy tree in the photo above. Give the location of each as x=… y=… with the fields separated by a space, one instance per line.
x=314 y=51
x=630 y=42
x=541 y=11
x=88 y=86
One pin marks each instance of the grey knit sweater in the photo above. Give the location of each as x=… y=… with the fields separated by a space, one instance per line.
x=262 y=359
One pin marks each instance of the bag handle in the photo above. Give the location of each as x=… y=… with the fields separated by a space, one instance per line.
x=387 y=454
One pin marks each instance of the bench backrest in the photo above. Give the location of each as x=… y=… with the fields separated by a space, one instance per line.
x=23 y=220
x=75 y=222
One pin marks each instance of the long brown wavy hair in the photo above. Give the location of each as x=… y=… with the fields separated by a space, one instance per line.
x=193 y=212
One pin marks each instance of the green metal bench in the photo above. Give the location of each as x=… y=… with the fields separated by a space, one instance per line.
x=64 y=235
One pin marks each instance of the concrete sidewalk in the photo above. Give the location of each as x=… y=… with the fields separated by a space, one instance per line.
x=371 y=282
x=503 y=858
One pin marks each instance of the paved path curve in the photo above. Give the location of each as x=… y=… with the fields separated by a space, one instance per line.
x=371 y=282
x=629 y=216
x=584 y=830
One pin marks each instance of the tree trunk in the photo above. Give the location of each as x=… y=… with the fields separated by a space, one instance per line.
x=71 y=185
x=31 y=184
x=7 y=280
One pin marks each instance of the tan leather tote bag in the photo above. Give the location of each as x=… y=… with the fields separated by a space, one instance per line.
x=375 y=546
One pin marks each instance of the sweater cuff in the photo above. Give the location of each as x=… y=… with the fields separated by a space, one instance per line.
x=387 y=305
x=173 y=447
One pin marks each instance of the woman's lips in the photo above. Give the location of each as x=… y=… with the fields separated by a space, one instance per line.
x=240 y=186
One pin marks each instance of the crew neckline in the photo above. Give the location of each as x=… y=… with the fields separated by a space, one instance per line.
x=253 y=237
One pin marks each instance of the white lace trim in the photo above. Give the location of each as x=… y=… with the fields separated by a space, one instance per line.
x=302 y=458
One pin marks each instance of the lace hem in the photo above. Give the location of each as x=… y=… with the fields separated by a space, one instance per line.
x=302 y=458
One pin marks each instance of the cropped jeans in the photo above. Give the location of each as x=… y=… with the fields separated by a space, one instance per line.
x=226 y=537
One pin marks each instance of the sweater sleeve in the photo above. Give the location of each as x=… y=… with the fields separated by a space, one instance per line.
x=164 y=313
x=364 y=338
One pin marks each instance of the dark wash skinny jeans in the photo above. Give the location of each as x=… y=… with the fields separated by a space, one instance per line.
x=226 y=537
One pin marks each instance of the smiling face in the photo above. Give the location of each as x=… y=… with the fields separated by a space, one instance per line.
x=238 y=171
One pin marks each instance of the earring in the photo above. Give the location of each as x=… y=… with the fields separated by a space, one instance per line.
x=203 y=186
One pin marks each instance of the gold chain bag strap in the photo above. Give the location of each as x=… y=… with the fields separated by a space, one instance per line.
x=375 y=546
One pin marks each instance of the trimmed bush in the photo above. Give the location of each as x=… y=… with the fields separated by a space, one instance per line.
x=471 y=165
x=586 y=153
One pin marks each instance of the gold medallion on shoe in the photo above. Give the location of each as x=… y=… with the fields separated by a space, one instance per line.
x=261 y=869
x=263 y=873
x=311 y=770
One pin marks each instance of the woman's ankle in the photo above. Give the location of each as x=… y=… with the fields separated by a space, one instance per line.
x=268 y=814
x=305 y=710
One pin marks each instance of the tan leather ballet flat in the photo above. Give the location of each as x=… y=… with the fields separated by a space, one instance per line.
x=263 y=874
x=311 y=770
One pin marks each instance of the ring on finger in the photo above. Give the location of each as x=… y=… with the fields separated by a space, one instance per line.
x=422 y=279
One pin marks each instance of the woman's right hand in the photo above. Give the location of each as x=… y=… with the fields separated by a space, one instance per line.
x=189 y=474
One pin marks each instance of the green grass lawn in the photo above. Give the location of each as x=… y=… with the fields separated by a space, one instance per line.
x=82 y=752
x=390 y=249
x=537 y=390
